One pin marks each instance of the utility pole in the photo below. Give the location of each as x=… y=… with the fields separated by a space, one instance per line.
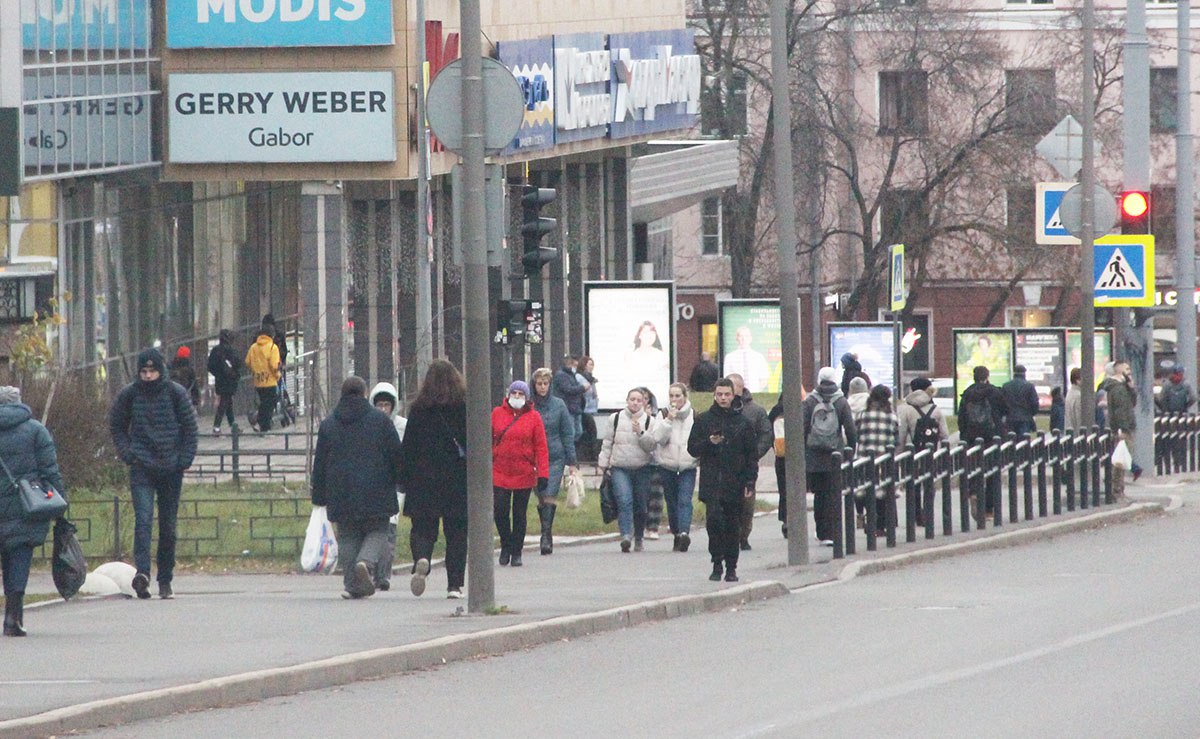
x=1185 y=202
x=11 y=144
x=1087 y=309
x=424 y=245
x=789 y=298
x=481 y=585
x=1135 y=342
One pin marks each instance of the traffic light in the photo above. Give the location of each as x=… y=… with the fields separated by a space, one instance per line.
x=1135 y=212
x=535 y=226
x=511 y=315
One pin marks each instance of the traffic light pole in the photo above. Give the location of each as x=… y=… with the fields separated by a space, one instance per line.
x=1087 y=257
x=481 y=586
x=1185 y=203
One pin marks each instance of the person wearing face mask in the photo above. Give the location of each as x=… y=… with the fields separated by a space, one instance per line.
x=676 y=468
x=520 y=462
x=628 y=442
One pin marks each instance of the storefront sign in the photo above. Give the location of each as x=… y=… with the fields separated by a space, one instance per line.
x=532 y=63
x=281 y=117
x=84 y=24
x=211 y=24
x=582 y=86
x=657 y=82
x=107 y=131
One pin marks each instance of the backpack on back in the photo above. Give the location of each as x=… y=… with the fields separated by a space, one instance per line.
x=926 y=434
x=826 y=431
x=977 y=414
x=1175 y=398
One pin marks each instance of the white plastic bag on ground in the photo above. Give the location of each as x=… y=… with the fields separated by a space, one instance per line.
x=576 y=491
x=1121 y=457
x=320 y=546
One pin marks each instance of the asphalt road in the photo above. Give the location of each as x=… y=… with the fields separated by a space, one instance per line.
x=1092 y=634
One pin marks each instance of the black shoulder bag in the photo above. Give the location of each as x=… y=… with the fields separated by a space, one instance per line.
x=39 y=500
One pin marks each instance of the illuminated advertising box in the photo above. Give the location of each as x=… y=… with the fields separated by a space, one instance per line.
x=630 y=330
x=872 y=343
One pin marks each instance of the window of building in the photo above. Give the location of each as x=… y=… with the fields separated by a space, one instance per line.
x=710 y=227
x=30 y=229
x=1164 y=108
x=903 y=102
x=1030 y=100
x=1020 y=216
x=903 y=218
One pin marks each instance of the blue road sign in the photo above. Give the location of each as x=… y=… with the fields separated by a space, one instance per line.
x=1123 y=271
x=1050 y=228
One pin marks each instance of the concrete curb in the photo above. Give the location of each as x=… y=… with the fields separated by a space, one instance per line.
x=1009 y=538
x=271 y=683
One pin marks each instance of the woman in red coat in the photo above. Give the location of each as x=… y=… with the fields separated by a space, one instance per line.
x=520 y=462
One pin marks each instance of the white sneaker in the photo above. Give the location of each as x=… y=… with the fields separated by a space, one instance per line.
x=455 y=594
x=216 y=430
x=652 y=535
x=827 y=542
x=417 y=584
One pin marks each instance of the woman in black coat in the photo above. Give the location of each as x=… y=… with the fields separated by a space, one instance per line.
x=28 y=451
x=433 y=464
x=225 y=365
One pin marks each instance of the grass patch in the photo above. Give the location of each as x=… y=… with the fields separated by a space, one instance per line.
x=34 y=598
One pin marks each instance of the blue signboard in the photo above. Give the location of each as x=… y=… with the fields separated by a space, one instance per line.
x=1051 y=220
x=216 y=24
x=1124 y=271
x=656 y=82
x=532 y=63
x=84 y=24
x=582 y=86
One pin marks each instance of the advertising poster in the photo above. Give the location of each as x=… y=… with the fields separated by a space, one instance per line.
x=631 y=336
x=872 y=343
x=750 y=343
x=1104 y=353
x=1042 y=352
x=991 y=349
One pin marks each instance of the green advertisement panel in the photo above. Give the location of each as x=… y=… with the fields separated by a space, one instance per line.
x=980 y=347
x=750 y=343
x=1104 y=353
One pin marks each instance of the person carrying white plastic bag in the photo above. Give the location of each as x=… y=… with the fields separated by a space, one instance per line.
x=576 y=490
x=320 y=545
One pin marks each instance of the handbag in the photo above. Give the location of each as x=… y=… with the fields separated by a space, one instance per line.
x=67 y=565
x=608 y=499
x=39 y=500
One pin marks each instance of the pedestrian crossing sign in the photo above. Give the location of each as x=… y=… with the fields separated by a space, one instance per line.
x=899 y=293
x=1123 y=271
x=1050 y=228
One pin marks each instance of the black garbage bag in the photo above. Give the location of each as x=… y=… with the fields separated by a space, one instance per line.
x=67 y=566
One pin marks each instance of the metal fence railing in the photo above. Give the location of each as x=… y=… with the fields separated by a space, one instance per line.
x=1013 y=479
x=1176 y=443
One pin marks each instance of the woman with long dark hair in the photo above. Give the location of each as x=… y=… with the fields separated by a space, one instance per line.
x=433 y=474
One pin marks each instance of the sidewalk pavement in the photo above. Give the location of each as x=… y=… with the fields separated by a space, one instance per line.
x=238 y=638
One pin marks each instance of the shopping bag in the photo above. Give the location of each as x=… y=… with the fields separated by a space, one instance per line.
x=1121 y=457
x=576 y=491
x=608 y=499
x=320 y=546
x=67 y=565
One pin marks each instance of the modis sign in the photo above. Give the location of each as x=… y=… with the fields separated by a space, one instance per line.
x=281 y=117
x=213 y=24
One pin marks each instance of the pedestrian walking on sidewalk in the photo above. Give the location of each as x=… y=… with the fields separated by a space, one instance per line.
x=627 y=445
x=181 y=372
x=520 y=463
x=828 y=428
x=29 y=452
x=655 y=496
x=560 y=443
x=264 y=362
x=1122 y=398
x=433 y=475
x=355 y=473
x=225 y=366
x=153 y=426
x=676 y=468
x=724 y=443
x=384 y=397
x=764 y=439
x=1021 y=403
x=878 y=430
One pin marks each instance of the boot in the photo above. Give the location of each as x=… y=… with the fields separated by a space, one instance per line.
x=504 y=555
x=718 y=570
x=516 y=557
x=14 y=615
x=546 y=514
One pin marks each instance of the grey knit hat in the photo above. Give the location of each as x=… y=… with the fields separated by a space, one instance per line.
x=9 y=395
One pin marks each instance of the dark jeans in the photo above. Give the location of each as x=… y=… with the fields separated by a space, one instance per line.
x=721 y=523
x=1022 y=428
x=825 y=504
x=425 y=534
x=512 y=535
x=679 y=487
x=148 y=487
x=224 y=408
x=15 y=564
x=360 y=541
x=266 y=407
x=632 y=489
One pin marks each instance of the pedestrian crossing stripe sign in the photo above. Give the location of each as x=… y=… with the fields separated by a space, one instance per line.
x=898 y=292
x=1049 y=225
x=1123 y=271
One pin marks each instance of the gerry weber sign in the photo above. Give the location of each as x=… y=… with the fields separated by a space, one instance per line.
x=211 y=24
x=281 y=117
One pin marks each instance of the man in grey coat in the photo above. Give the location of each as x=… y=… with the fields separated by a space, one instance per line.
x=764 y=438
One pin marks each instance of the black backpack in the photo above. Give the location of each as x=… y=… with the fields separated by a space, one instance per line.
x=927 y=433
x=976 y=415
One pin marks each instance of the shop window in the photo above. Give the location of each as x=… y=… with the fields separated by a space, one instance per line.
x=1164 y=108
x=710 y=227
x=1030 y=101
x=708 y=337
x=1020 y=216
x=903 y=102
x=31 y=232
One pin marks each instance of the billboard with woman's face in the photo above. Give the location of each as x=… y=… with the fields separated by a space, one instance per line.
x=751 y=344
x=631 y=336
x=981 y=348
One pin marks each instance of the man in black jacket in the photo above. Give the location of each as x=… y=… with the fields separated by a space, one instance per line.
x=723 y=441
x=225 y=365
x=153 y=426
x=354 y=475
x=981 y=413
x=567 y=386
x=1020 y=402
x=764 y=438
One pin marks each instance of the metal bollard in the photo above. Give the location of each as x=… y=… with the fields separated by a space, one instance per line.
x=1098 y=449
x=871 y=504
x=945 y=465
x=847 y=501
x=1042 y=451
x=889 y=503
x=838 y=537
x=1109 y=498
x=235 y=434
x=1026 y=456
x=1055 y=453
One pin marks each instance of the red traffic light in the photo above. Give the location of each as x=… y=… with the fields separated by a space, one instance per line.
x=1134 y=204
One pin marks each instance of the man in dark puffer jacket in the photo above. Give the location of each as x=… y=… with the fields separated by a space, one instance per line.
x=354 y=475
x=153 y=426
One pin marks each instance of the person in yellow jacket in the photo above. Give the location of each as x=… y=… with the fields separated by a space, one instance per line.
x=263 y=361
